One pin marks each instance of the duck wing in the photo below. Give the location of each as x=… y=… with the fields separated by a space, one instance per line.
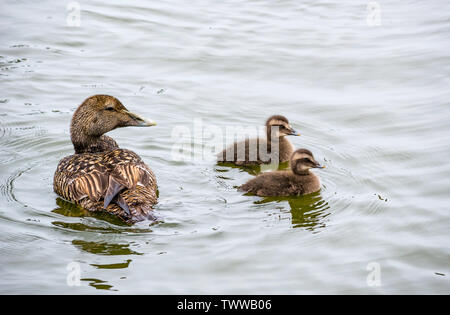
x=81 y=175
x=127 y=176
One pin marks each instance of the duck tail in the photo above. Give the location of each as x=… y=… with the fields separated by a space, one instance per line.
x=131 y=205
x=137 y=204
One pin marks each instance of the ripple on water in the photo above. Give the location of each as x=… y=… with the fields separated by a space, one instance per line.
x=13 y=243
x=7 y=188
x=5 y=131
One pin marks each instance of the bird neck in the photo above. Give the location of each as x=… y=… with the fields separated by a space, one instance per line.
x=80 y=134
x=81 y=142
x=87 y=134
x=85 y=140
x=96 y=145
x=301 y=173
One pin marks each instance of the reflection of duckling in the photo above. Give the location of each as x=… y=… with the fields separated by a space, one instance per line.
x=253 y=155
x=297 y=181
x=308 y=211
x=100 y=176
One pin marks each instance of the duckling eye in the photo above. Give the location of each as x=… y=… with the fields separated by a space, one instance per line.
x=313 y=163
x=306 y=161
x=110 y=108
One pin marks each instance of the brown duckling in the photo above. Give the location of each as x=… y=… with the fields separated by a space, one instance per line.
x=100 y=176
x=277 y=127
x=295 y=182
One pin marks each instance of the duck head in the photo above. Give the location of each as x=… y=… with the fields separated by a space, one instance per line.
x=98 y=115
x=302 y=160
x=280 y=127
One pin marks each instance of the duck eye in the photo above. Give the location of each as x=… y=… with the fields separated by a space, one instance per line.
x=109 y=108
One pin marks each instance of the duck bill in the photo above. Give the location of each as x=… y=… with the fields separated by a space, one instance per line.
x=138 y=121
x=294 y=132
x=319 y=166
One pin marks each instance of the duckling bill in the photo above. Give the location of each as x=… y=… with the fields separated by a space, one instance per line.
x=295 y=182
x=100 y=176
x=277 y=128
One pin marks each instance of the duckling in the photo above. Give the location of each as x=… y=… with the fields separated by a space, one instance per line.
x=253 y=155
x=295 y=182
x=100 y=176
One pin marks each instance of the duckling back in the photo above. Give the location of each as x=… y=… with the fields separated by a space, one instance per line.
x=282 y=183
x=256 y=151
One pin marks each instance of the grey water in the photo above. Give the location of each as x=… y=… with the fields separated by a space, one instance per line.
x=367 y=87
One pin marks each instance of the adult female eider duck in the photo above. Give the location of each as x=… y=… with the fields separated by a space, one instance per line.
x=100 y=176
x=295 y=182
x=259 y=151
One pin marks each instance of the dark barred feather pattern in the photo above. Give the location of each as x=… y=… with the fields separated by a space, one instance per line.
x=140 y=201
x=88 y=178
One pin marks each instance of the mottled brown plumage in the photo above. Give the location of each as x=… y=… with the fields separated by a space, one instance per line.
x=100 y=176
x=295 y=182
x=262 y=151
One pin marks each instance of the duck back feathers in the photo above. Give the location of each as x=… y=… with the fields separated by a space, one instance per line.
x=113 y=177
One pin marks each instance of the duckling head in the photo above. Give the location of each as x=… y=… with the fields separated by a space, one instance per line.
x=302 y=160
x=280 y=127
x=98 y=115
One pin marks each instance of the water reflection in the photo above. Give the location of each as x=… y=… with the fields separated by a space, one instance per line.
x=122 y=265
x=308 y=212
x=104 y=248
x=69 y=209
x=98 y=284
